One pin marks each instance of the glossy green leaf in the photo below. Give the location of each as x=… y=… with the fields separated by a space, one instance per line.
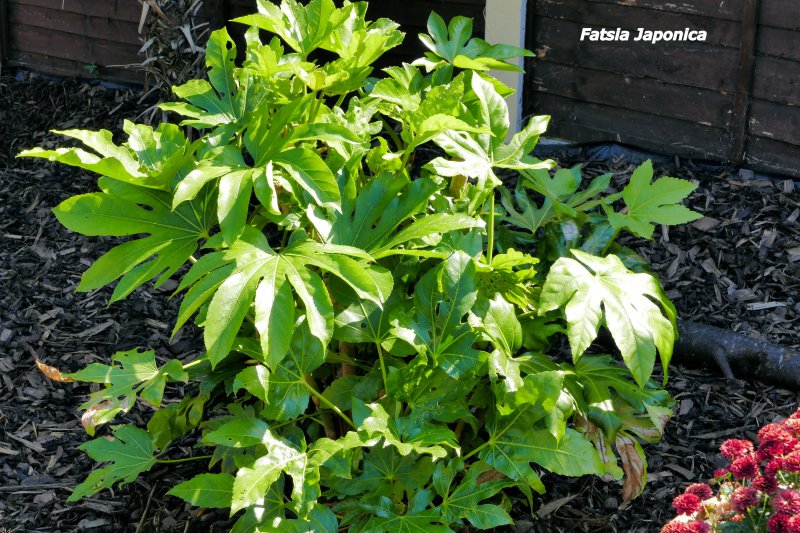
x=129 y=375
x=453 y=44
x=206 y=490
x=130 y=452
x=260 y=274
x=117 y=211
x=633 y=307
x=650 y=202
x=255 y=478
x=442 y=298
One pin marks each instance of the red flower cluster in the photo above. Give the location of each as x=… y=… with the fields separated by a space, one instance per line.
x=696 y=526
x=686 y=503
x=744 y=467
x=744 y=499
x=760 y=486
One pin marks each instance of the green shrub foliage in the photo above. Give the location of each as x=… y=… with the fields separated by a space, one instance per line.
x=382 y=317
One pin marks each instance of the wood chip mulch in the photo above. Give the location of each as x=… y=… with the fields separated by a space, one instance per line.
x=737 y=268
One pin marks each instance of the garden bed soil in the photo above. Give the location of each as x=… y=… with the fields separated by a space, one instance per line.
x=738 y=268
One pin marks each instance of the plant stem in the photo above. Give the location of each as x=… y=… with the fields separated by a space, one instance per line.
x=184 y=460
x=398 y=144
x=329 y=405
x=490 y=244
x=479 y=448
x=383 y=368
x=194 y=363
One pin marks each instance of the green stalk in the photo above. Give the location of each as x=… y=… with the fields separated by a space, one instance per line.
x=329 y=405
x=479 y=448
x=184 y=460
x=398 y=144
x=383 y=368
x=490 y=244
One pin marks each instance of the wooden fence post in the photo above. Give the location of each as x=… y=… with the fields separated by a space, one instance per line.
x=744 y=80
x=4 y=41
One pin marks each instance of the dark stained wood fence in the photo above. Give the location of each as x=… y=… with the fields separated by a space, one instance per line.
x=731 y=98
x=74 y=37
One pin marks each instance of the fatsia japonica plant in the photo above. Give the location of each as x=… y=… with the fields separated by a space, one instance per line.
x=382 y=317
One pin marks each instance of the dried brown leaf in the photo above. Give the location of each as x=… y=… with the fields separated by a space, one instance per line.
x=633 y=466
x=51 y=372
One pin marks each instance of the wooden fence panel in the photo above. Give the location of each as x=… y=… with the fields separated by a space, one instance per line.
x=734 y=97
x=75 y=37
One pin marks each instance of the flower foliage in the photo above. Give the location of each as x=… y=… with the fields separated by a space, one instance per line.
x=759 y=491
x=382 y=336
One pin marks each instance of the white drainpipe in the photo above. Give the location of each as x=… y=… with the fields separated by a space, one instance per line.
x=505 y=24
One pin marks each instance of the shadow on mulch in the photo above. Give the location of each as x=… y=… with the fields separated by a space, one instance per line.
x=737 y=268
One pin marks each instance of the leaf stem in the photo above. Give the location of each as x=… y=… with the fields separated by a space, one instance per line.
x=390 y=130
x=490 y=244
x=196 y=362
x=329 y=405
x=184 y=460
x=383 y=368
x=479 y=448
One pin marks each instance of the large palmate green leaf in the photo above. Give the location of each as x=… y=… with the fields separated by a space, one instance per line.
x=454 y=44
x=384 y=467
x=288 y=393
x=130 y=453
x=221 y=100
x=251 y=271
x=442 y=298
x=125 y=209
x=407 y=436
x=464 y=500
x=257 y=475
x=594 y=290
x=562 y=197
x=475 y=155
x=655 y=202
x=150 y=158
x=130 y=375
x=357 y=42
x=303 y=28
x=418 y=517
x=373 y=220
x=513 y=444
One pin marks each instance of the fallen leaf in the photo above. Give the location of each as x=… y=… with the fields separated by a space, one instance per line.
x=51 y=372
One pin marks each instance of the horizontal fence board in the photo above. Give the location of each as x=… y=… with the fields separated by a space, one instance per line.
x=70 y=46
x=723 y=33
x=773 y=156
x=777 y=80
x=775 y=121
x=779 y=14
x=718 y=9
x=588 y=123
x=703 y=106
x=777 y=42
x=68 y=68
x=105 y=28
x=685 y=63
x=127 y=10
